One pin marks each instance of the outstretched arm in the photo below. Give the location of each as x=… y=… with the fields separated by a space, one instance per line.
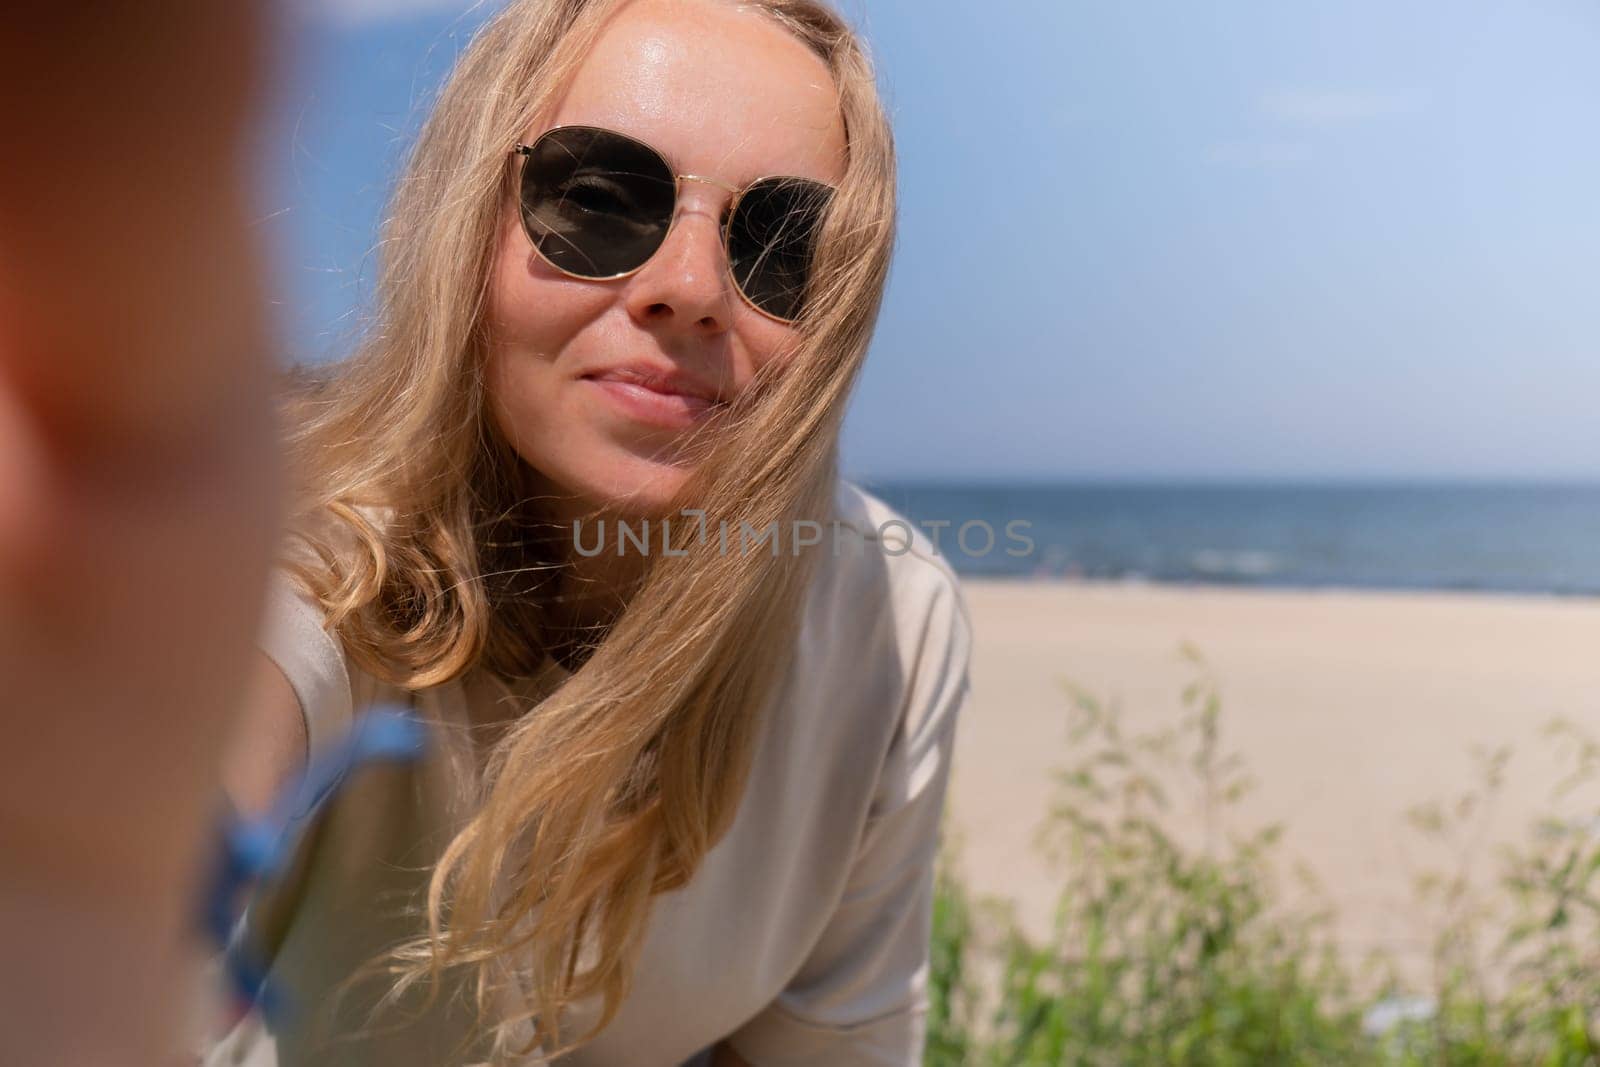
x=137 y=500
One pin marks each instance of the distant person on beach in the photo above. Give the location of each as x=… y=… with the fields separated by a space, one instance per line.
x=682 y=803
x=137 y=504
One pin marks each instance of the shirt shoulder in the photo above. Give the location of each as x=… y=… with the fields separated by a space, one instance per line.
x=917 y=578
x=896 y=535
x=882 y=566
x=294 y=636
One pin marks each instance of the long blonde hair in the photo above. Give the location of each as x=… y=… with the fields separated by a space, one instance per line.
x=614 y=788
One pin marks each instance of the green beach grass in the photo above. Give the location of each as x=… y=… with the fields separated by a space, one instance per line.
x=1182 y=937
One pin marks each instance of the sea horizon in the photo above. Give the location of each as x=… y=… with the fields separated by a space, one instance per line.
x=1499 y=535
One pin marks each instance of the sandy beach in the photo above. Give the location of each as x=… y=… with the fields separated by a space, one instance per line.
x=1349 y=708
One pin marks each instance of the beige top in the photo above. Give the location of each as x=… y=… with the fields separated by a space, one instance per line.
x=802 y=939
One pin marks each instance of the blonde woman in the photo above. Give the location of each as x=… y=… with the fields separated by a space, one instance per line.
x=684 y=798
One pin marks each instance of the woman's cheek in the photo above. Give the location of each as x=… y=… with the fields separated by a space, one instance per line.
x=767 y=342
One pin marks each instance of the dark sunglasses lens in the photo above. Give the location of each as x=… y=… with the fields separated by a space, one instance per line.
x=595 y=203
x=771 y=241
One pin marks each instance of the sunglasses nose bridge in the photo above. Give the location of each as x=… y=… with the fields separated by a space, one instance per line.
x=708 y=181
x=697 y=274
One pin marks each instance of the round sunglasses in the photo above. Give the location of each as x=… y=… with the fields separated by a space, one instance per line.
x=597 y=204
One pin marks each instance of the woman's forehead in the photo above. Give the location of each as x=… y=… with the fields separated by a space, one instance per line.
x=722 y=91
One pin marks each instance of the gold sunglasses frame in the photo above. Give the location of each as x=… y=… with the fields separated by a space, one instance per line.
x=525 y=151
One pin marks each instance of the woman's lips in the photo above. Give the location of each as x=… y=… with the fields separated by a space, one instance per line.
x=650 y=402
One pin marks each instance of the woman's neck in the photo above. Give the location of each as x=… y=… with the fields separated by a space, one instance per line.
x=590 y=589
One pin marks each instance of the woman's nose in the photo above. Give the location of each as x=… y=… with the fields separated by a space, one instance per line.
x=684 y=286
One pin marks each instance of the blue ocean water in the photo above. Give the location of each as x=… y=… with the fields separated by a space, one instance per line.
x=1528 y=538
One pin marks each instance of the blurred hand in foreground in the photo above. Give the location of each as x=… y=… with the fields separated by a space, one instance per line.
x=138 y=501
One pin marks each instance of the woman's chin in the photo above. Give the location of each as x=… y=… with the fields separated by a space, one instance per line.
x=637 y=489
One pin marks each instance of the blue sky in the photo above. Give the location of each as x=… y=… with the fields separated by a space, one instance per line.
x=1145 y=239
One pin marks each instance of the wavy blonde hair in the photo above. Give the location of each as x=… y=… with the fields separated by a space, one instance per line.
x=615 y=787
